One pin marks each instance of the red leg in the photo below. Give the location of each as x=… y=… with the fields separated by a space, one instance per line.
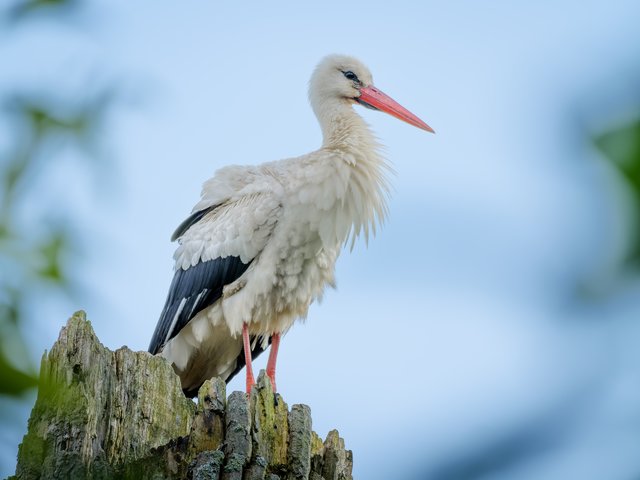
x=273 y=354
x=247 y=357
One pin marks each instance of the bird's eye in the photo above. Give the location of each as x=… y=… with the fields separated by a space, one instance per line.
x=350 y=75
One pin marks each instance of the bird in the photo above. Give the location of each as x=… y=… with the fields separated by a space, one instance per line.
x=261 y=244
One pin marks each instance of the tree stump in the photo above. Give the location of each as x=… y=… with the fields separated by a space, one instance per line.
x=102 y=415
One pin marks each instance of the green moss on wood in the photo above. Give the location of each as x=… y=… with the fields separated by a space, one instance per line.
x=102 y=414
x=269 y=416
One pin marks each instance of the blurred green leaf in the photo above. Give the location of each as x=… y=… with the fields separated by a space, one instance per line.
x=44 y=121
x=9 y=307
x=51 y=253
x=22 y=9
x=37 y=120
x=622 y=147
x=15 y=169
x=12 y=381
x=49 y=116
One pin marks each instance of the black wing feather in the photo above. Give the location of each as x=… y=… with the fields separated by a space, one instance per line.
x=196 y=288
x=192 y=219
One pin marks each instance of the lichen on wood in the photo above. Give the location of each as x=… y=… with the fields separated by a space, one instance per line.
x=102 y=414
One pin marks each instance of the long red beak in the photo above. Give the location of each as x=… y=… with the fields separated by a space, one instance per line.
x=371 y=97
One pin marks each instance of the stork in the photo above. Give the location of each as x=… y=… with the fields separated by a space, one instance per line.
x=261 y=244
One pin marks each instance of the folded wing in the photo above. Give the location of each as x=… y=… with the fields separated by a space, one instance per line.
x=217 y=245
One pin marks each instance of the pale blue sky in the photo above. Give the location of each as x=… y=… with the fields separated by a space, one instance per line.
x=454 y=319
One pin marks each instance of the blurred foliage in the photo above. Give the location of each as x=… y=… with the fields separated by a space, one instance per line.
x=35 y=249
x=20 y=10
x=621 y=147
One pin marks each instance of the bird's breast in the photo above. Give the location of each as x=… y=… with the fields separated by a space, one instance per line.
x=304 y=264
x=320 y=206
x=292 y=272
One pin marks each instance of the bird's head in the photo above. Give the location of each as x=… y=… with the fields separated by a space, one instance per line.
x=340 y=79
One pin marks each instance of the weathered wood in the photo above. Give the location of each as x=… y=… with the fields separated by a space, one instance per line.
x=337 y=461
x=208 y=465
x=270 y=424
x=299 y=455
x=238 y=436
x=102 y=414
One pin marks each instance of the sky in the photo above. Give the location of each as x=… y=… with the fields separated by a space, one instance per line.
x=454 y=333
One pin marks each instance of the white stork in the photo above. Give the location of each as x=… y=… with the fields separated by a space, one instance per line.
x=262 y=242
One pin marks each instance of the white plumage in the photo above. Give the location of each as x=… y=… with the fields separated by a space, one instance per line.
x=287 y=220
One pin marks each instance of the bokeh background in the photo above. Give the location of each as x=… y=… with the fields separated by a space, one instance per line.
x=490 y=331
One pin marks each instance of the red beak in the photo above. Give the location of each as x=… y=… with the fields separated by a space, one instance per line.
x=371 y=97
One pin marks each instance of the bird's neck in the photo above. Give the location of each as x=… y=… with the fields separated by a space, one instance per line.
x=348 y=136
x=341 y=125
